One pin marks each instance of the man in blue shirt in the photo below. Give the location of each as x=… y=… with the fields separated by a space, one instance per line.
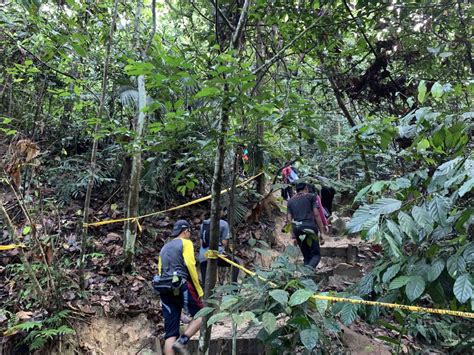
x=224 y=236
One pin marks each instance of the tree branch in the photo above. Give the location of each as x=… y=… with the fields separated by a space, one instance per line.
x=221 y=14
x=240 y=24
x=281 y=51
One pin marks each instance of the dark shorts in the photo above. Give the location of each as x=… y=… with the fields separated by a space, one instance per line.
x=173 y=305
x=309 y=245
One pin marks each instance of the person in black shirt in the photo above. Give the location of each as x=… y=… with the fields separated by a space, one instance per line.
x=305 y=219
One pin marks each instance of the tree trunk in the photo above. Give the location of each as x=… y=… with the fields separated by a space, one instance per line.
x=130 y=232
x=90 y=185
x=211 y=272
x=259 y=163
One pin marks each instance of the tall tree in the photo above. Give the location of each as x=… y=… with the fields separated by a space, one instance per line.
x=95 y=144
x=211 y=272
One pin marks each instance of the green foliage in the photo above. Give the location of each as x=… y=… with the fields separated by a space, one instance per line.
x=426 y=235
x=255 y=304
x=36 y=334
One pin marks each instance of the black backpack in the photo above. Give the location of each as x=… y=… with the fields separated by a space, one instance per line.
x=206 y=232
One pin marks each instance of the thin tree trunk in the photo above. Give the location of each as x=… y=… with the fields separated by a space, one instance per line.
x=211 y=272
x=231 y=211
x=259 y=163
x=133 y=196
x=87 y=202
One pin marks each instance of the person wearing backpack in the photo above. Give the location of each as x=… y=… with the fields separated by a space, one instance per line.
x=289 y=177
x=177 y=283
x=323 y=212
x=304 y=216
x=224 y=236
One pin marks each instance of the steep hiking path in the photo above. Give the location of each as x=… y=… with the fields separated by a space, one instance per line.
x=344 y=260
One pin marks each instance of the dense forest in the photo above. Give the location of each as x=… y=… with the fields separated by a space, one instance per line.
x=112 y=110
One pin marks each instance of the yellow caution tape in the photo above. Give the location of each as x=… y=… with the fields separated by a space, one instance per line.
x=135 y=219
x=214 y=254
x=12 y=246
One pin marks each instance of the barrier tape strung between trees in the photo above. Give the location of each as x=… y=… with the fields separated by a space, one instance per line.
x=214 y=254
x=12 y=246
x=135 y=219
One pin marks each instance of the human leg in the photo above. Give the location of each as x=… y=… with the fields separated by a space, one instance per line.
x=203 y=267
x=171 y=306
x=192 y=304
x=303 y=245
x=315 y=252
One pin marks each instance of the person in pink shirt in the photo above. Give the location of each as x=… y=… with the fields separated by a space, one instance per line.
x=322 y=211
x=289 y=177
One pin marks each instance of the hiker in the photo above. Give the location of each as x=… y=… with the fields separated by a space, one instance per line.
x=289 y=177
x=323 y=212
x=224 y=236
x=327 y=197
x=178 y=285
x=305 y=219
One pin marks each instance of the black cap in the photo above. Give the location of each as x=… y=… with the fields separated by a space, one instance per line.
x=179 y=226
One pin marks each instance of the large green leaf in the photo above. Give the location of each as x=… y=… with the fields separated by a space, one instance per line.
x=309 y=338
x=137 y=68
x=466 y=187
x=438 y=209
x=299 y=297
x=359 y=218
x=395 y=230
x=228 y=301
x=322 y=305
x=468 y=253
x=391 y=272
x=422 y=91
x=435 y=270
x=456 y=265
x=463 y=288
x=269 y=322
x=210 y=91
x=399 y=282
x=280 y=296
x=422 y=218
x=349 y=313
x=407 y=225
x=415 y=287
x=394 y=248
x=217 y=317
x=243 y=317
x=367 y=216
x=385 y=206
x=437 y=90
x=366 y=285
x=203 y=312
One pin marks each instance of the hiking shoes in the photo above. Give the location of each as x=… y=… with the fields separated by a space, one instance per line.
x=180 y=348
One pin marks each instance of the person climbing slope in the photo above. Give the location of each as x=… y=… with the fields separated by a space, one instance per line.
x=178 y=285
x=289 y=177
x=305 y=220
x=323 y=213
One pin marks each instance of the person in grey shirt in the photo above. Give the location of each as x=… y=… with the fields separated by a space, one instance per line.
x=224 y=236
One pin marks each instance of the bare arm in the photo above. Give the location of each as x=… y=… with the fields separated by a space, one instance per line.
x=225 y=244
x=318 y=220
